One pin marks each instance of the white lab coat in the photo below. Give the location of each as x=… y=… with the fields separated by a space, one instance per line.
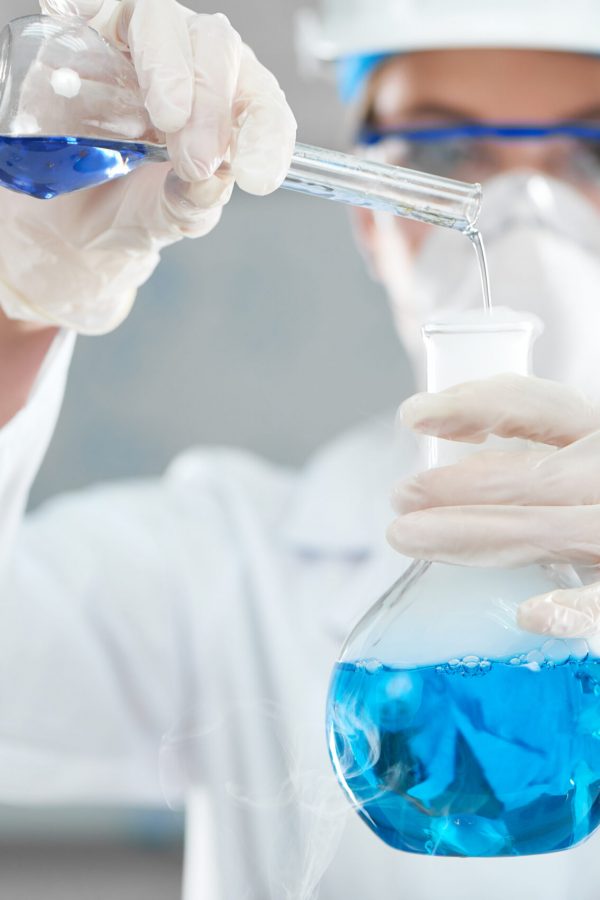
x=173 y=638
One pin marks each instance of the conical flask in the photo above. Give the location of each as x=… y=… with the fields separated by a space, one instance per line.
x=452 y=731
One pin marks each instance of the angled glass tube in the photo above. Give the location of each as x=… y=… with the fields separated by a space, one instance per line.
x=403 y=192
x=72 y=116
x=346 y=178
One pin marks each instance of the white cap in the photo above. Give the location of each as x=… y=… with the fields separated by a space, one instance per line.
x=349 y=27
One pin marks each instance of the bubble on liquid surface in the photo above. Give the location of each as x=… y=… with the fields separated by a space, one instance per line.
x=556 y=651
x=578 y=648
x=371 y=665
x=471 y=662
x=469 y=665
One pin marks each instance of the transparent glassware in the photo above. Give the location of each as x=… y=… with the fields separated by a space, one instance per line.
x=452 y=731
x=72 y=117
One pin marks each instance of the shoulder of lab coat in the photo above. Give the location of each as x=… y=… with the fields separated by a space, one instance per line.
x=334 y=505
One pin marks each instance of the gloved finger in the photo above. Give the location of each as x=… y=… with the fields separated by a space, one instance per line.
x=266 y=129
x=563 y=613
x=163 y=208
x=112 y=22
x=503 y=536
x=162 y=53
x=82 y=9
x=108 y=17
x=485 y=479
x=505 y=405
x=193 y=209
x=151 y=209
x=566 y=477
x=198 y=150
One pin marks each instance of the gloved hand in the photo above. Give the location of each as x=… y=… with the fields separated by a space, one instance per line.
x=78 y=260
x=510 y=508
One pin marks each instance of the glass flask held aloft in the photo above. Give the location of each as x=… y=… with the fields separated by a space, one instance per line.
x=72 y=116
x=452 y=731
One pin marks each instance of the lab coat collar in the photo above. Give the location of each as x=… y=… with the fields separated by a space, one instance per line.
x=342 y=504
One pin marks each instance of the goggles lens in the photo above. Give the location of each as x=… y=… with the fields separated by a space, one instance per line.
x=570 y=152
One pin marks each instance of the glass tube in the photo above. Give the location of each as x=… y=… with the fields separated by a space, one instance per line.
x=403 y=192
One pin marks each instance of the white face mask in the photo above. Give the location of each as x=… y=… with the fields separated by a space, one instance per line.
x=542 y=240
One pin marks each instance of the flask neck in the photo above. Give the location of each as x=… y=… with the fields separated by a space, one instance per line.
x=471 y=347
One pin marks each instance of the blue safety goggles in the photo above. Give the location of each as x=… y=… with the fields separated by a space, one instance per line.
x=476 y=152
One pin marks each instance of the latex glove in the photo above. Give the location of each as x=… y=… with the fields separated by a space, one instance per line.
x=510 y=508
x=78 y=260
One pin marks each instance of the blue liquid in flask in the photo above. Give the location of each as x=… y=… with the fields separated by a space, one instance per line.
x=473 y=757
x=46 y=167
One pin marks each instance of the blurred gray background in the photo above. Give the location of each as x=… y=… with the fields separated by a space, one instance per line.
x=267 y=334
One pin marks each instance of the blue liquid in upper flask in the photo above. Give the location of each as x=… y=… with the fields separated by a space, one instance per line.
x=46 y=167
x=71 y=111
x=453 y=732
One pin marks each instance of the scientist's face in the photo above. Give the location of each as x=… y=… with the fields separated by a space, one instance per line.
x=466 y=98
